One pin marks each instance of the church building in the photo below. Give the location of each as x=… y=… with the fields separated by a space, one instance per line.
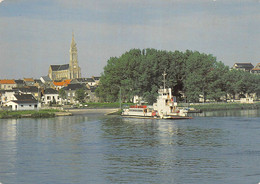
x=67 y=71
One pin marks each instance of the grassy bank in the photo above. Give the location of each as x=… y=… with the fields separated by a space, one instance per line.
x=226 y=106
x=46 y=113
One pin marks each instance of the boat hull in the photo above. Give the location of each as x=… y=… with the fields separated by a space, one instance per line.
x=156 y=117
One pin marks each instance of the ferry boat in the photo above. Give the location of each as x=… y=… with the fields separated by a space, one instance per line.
x=164 y=108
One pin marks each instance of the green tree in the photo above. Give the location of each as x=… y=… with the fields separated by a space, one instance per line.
x=198 y=75
x=62 y=93
x=80 y=95
x=195 y=74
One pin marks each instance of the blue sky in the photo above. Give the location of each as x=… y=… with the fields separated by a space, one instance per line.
x=37 y=33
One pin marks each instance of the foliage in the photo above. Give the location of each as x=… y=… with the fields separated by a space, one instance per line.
x=139 y=72
x=62 y=93
x=80 y=95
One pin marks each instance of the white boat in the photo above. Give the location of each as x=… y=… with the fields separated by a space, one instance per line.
x=164 y=108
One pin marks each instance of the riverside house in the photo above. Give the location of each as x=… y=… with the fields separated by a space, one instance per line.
x=23 y=102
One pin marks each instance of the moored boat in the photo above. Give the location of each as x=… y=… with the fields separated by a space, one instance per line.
x=164 y=108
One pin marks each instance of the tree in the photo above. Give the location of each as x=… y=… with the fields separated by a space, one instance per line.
x=139 y=73
x=62 y=94
x=80 y=95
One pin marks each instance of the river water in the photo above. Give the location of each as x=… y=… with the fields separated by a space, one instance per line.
x=219 y=147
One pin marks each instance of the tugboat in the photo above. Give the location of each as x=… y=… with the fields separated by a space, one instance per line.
x=164 y=108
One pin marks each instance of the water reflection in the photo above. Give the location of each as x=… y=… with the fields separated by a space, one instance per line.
x=8 y=147
x=139 y=147
x=83 y=149
x=236 y=113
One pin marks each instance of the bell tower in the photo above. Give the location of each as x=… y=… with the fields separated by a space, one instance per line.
x=74 y=66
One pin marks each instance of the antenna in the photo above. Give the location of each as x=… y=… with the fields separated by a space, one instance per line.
x=164 y=74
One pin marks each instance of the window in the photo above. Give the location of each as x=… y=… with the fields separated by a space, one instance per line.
x=21 y=105
x=30 y=105
x=73 y=94
x=68 y=94
x=48 y=97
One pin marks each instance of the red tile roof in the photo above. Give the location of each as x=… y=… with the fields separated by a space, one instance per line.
x=28 y=79
x=5 y=81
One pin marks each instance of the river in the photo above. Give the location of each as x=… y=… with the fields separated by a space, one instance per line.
x=214 y=147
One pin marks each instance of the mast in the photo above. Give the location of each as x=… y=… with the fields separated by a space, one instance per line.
x=164 y=74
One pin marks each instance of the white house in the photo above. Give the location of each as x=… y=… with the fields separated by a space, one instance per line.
x=23 y=102
x=51 y=95
x=7 y=95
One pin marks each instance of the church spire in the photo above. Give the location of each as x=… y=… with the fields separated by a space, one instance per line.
x=74 y=66
x=73 y=43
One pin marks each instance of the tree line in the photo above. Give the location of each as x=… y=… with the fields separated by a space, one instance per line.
x=190 y=74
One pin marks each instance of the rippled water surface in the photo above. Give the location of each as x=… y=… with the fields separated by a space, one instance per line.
x=221 y=147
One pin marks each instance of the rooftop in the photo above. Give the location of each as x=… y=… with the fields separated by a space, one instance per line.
x=28 y=79
x=60 y=67
x=6 y=81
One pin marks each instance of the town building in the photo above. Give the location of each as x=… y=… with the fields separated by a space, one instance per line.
x=243 y=66
x=29 y=81
x=91 y=96
x=85 y=81
x=7 y=84
x=23 y=102
x=96 y=79
x=19 y=83
x=51 y=96
x=6 y=96
x=256 y=69
x=70 y=91
x=60 y=84
x=67 y=71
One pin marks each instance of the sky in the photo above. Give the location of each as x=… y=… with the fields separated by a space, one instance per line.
x=37 y=33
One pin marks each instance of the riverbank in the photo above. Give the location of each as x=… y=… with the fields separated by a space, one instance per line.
x=93 y=111
x=224 y=106
x=45 y=113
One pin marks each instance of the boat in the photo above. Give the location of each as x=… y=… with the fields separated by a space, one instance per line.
x=164 y=108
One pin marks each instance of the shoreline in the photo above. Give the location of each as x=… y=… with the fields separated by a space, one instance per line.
x=50 y=113
x=207 y=107
x=93 y=111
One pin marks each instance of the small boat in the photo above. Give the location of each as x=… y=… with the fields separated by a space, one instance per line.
x=164 y=108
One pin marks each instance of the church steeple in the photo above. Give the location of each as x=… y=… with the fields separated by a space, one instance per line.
x=73 y=44
x=74 y=67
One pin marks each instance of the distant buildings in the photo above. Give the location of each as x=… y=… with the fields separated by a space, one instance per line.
x=256 y=69
x=67 y=71
x=51 y=96
x=243 y=66
x=7 y=84
x=24 y=94
x=23 y=102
